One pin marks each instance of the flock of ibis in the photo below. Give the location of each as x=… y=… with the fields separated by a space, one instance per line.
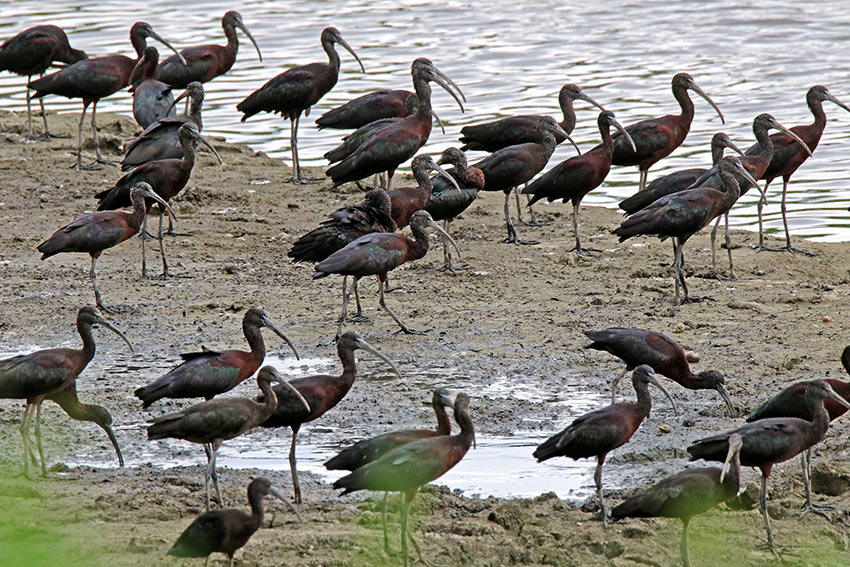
x=358 y=240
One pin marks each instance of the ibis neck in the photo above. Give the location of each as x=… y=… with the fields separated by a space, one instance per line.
x=820 y=419
x=255 y=341
x=258 y=509
x=85 y=330
x=349 y=363
x=333 y=57
x=816 y=107
x=763 y=139
x=607 y=139
x=195 y=106
x=139 y=210
x=569 y=122
x=716 y=152
x=644 y=401
x=188 y=161
x=139 y=43
x=732 y=189
x=232 y=41
x=419 y=247
x=444 y=425
x=685 y=103
x=270 y=403
x=467 y=430
x=423 y=94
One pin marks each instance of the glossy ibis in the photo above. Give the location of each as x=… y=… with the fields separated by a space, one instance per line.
x=322 y=392
x=446 y=203
x=687 y=494
x=384 y=145
x=791 y=402
x=369 y=108
x=161 y=140
x=663 y=354
x=574 y=178
x=94 y=79
x=152 y=99
x=656 y=138
x=226 y=531
x=513 y=130
x=31 y=52
x=678 y=180
x=371 y=449
x=167 y=177
x=407 y=200
x=209 y=373
x=297 y=89
x=599 y=432
x=510 y=167
x=775 y=440
x=214 y=421
x=36 y=376
x=408 y=467
x=788 y=155
x=378 y=253
x=681 y=215
x=206 y=62
x=95 y=232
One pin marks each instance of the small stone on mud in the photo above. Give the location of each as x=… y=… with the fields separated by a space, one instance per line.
x=829 y=479
x=827 y=319
x=230 y=268
x=664 y=429
x=679 y=328
x=692 y=356
x=510 y=516
x=59 y=468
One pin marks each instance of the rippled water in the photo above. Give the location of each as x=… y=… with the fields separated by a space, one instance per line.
x=512 y=57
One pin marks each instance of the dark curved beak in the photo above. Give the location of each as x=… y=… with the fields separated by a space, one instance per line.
x=623 y=131
x=731 y=145
x=831 y=98
x=279 y=379
x=586 y=98
x=274 y=491
x=112 y=438
x=162 y=40
x=445 y=234
x=448 y=85
x=721 y=389
x=183 y=95
x=439 y=122
x=562 y=132
x=440 y=171
x=207 y=144
x=244 y=28
x=694 y=87
x=750 y=179
x=657 y=384
x=149 y=193
x=108 y=325
x=278 y=332
x=735 y=445
x=783 y=129
x=838 y=398
x=367 y=347
x=344 y=43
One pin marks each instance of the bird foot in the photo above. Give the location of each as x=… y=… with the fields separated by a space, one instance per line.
x=105 y=161
x=359 y=319
x=586 y=252
x=303 y=180
x=107 y=309
x=799 y=251
x=819 y=509
x=519 y=241
x=93 y=166
x=392 y=289
x=408 y=331
x=533 y=222
x=452 y=268
x=694 y=299
x=721 y=276
x=777 y=550
x=47 y=136
x=763 y=248
x=172 y=233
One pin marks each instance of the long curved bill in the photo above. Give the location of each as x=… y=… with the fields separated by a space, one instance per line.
x=721 y=389
x=625 y=134
x=152 y=195
x=344 y=43
x=444 y=173
x=183 y=95
x=586 y=98
x=207 y=144
x=731 y=145
x=278 y=332
x=279 y=379
x=108 y=325
x=750 y=179
x=449 y=86
x=445 y=236
x=162 y=40
x=563 y=133
x=367 y=347
x=735 y=444
x=279 y=495
x=244 y=28
x=837 y=397
x=655 y=382
x=137 y=70
x=831 y=98
x=796 y=138
x=112 y=438
x=694 y=87
x=440 y=122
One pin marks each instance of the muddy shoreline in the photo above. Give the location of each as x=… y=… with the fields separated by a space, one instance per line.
x=517 y=315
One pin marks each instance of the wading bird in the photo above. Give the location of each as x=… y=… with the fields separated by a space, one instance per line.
x=369 y=108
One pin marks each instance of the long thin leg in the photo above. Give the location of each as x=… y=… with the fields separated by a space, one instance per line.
x=29 y=113
x=384 y=521
x=100 y=158
x=214 y=475
x=405 y=512
x=404 y=328
x=512 y=235
x=810 y=506
x=161 y=237
x=680 y=273
x=714 y=246
x=207 y=479
x=345 y=296
x=518 y=206
x=686 y=561
x=293 y=141
x=46 y=134
x=763 y=503
x=642 y=185
x=79 y=165
x=97 y=301
x=38 y=438
x=578 y=249
x=28 y=409
x=788 y=246
x=144 y=236
x=615 y=383
x=296 y=486
x=597 y=478
x=760 y=207
x=676 y=259
x=729 y=246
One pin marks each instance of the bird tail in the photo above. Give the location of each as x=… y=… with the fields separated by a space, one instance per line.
x=547 y=449
x=711 y=448
x=152 y=392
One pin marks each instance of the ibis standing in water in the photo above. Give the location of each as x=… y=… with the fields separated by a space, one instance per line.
x=321 y=392
x=657 y=138
x=687 y=494
x=214 y=421
x=599 y=432
x=407 y=468
x=95 y=232
x=663 y=354
x=297 y=89
x=377 y=254
x=576 y=177
x=152 y=99
x=94 y=79
x=768 y=442
x=31 y=52
x=226 y=531
x=36 y=376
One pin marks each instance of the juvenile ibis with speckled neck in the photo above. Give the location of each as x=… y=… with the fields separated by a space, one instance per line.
x=377 y=254
x=152 y=99
x=36 y=376
x=768 y=442
x=574 y=178
x=31 y=52
x=95 y=232
x=788 y=155
x=209 y=373
x=661 y=353
x=688 y=493
x=599 y=432
x=94 y=79
x=226 y=531
x=407 y=468
x=369 y=450
x=297 y=89
x=510 y=167
x=657 y=138
x=161 y=140
x=369 y=108
x=204 y=63
x=384 y=145
x=167 y=177
x=322 y=393
x=214 y=421
x=681 y=215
